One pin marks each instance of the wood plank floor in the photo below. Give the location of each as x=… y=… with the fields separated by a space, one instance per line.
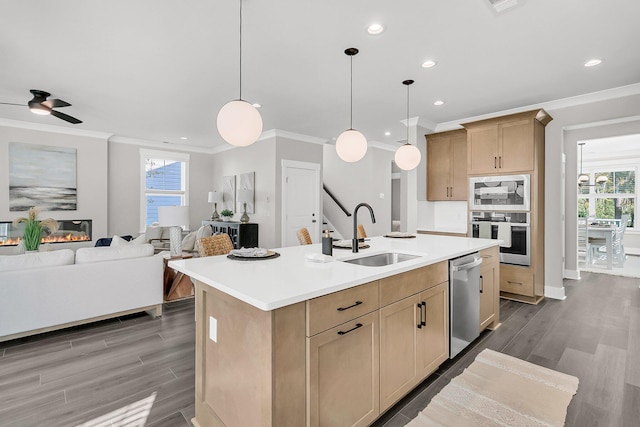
x=76 y=376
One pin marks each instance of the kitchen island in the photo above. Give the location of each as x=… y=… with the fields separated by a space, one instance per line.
x=291 y=342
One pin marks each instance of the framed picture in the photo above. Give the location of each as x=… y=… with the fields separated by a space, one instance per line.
x=42 y=176
x=229 y=193
x=246 y=183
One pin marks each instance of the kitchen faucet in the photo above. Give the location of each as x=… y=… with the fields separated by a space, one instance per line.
x=354 y=242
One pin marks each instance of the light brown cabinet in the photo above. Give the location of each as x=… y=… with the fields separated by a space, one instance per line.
x=515 y=144
x=489 y=289
x=335 y=360
x=447 y=166
x=503 y=145
x=343 y=374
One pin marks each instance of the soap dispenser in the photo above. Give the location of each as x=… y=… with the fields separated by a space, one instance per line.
x=327 y=243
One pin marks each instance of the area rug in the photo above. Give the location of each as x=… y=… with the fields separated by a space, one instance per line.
x=500 y=390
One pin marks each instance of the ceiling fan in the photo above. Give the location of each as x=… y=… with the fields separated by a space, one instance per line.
x=43 y=106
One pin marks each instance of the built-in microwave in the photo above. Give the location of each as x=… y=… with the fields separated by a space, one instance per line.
x=513 y=228
x=504 y=193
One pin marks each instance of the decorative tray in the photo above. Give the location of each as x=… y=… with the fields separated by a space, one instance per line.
x=399 y=235
x=268 y=255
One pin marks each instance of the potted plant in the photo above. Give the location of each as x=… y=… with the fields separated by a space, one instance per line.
x=226 y=214
x=33 y=228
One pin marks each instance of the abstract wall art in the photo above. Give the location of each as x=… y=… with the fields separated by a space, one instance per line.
x=42 y=176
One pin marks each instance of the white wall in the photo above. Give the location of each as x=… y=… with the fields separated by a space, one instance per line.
x=353 y=183
x=604 y=118
x=265 y=159
x=124 y=188
x=91 y=174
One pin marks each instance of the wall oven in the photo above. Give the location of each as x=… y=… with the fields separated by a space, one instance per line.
x=512 y=227
x=504 y=193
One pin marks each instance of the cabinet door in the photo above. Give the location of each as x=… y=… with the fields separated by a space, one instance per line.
x=482 y=150
x=438 y=169
x=433 y=338
x=487 y=295
x=516 y=146
x=458 y=175
x=343 y=374
x=398 y=326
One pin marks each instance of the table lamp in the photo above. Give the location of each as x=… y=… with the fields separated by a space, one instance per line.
x=245 y=196
x=215 y=197
x=174 y=217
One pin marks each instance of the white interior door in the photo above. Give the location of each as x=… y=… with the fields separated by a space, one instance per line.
x=300 y=201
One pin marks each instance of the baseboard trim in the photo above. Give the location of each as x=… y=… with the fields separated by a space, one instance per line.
x=554 y=293
x=572 y=274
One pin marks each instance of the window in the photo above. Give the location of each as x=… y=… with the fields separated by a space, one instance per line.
x=164 y=182
x=611 y=199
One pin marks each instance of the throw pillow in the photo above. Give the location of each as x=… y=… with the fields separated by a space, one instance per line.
x=204 y=231
x=189 y=241
x=118 y=241
x=140 y=239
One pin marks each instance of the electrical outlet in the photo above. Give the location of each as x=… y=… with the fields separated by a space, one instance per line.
x=213 y=329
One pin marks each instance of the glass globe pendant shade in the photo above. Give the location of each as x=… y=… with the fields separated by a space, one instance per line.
x=583 y=178
x=408 y=157
x=239 y=123
x=351 y=145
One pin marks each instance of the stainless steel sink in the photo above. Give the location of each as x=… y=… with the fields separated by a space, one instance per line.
x=380 y=260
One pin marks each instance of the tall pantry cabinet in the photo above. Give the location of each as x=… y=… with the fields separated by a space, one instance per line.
x=514 y=144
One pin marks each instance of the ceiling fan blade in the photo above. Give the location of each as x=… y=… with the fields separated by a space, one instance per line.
x=65 y=117
x=55 y=103
x=11 y=103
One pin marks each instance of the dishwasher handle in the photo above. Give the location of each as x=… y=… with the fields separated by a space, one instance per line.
x=476 y=262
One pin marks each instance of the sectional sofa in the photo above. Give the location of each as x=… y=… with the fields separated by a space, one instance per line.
x=45 y=291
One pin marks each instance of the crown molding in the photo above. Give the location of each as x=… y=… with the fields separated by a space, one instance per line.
x=573 y=101
x=159 y=144
x=54 y=129
x=297 y=136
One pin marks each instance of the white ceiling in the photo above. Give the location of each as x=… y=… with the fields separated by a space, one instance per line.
x=161 y=69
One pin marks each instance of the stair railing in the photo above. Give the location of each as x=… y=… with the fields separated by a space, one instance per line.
x=340 y=205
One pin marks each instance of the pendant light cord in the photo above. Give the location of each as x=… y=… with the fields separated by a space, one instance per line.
x=351 y=100
x=240 y=85
x=407 y=114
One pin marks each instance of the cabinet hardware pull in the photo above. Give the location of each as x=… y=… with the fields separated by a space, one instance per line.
x=500 y=162
x=424 y=319
x=481 y=283
x=358 y=325
x=351 y=306
x=419 y=307
x=514 y=283
x=495 y=162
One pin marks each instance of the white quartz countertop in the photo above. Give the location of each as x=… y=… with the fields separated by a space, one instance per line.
x=288 y=279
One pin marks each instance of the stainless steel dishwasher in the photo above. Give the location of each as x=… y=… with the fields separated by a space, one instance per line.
x=464 y=302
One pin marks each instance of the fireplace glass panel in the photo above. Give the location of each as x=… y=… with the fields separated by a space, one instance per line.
x=68 y=231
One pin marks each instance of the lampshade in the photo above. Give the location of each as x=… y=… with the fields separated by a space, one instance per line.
x=169 y=216
x=583 y=178
x=408 y=157
x=215 y=197
x=239 y=123
x=245 y=195
x=351 y=145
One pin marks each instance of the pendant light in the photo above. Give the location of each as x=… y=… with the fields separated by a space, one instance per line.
x=583 y=178
x=408 y=156
x=351 y=145
x=239 y=123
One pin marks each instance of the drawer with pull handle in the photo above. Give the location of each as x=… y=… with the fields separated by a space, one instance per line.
x=517 y=281
x=331 y=310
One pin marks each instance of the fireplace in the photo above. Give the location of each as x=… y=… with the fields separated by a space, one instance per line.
x=68 y=231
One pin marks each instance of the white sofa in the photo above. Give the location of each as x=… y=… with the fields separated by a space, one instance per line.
x=45 y=291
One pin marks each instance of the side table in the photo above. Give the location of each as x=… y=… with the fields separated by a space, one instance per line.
x=177 y=285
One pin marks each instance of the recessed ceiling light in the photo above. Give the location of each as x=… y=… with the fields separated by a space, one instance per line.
x=593 y=62
x=183 y=137
x=438 y=102
x=375 y=29
x=256 y=105
x=387 y=133
x=429 y=64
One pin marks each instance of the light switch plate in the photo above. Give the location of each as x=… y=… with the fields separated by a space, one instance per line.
x=213 y=329
x=382 y=195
